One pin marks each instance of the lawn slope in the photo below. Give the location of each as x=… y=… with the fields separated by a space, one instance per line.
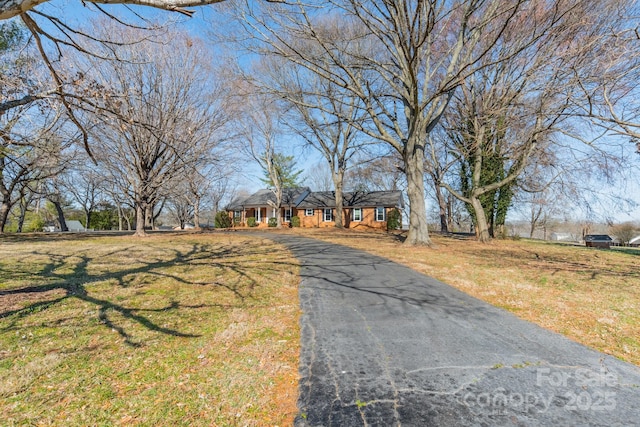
x=173 y=329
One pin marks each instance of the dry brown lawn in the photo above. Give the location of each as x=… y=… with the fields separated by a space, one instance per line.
x=589 y=295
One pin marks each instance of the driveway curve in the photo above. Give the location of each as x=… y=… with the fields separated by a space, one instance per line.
x=383 y=345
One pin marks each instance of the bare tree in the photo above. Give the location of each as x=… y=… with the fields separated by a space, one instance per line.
x=30 y=133
x=22 y=80
x=541 y=208
x=404 y=60
x=54 y=36
x=165 y=119
x=376 y=172
x=321 y=113
x=331 y=134
x=85 y=185
x=123 y=204
x=180 y=210
x=438 y=162
x=318 y=177
x=219 y=191
x=29 y=154
x=53 y=191
x=260 y=126
x=625 y=231
x=25 y=200
x=514 y=110
x=199 y=187
x=609 y=88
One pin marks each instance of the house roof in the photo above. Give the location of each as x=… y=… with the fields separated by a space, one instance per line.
x=303 y=198
x=597 y=238
x=74 y=225
x=357 y=199
x=264 y=197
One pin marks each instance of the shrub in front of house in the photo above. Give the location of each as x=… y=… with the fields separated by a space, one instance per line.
x=251 y=221
x=295 y=221
x=273 y=222
x=222 y=220
x=394 y=220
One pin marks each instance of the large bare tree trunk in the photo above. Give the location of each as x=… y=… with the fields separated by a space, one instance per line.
x=278 y=204
x=23 y=205
x=414 y=168
x=120 y=217
x=196 y=214
x=4 y=214
x=140 y=220
x=443 y=209
x=482 y=226
x=533 y=222
x=60 y=212
x=148 y=217
x=338 y=184
x=21 y=218
x=450 y=220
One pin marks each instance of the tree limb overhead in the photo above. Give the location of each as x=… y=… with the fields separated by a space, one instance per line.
x=11 y=8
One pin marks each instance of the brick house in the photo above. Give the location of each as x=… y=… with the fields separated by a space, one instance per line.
x=361 y=210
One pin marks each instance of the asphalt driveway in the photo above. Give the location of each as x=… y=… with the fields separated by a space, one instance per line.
x=383 y=345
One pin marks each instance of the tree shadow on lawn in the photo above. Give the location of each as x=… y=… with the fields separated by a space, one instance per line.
x=61 y=286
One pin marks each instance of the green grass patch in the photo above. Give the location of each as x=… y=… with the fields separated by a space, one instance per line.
x=176 y=329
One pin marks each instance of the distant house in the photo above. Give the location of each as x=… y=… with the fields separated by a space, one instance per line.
x=563 y=237
x=75 y=226
x=635 y=241
x=365 y=210
x=598 y=240
x=50 y=228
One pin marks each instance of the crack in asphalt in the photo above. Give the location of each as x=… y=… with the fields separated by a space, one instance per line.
x=395 y=400
x=384 y=345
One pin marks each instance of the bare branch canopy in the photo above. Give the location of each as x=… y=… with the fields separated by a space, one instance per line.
x=11 y=8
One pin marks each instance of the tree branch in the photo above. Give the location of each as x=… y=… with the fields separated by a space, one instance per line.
x=11 y=8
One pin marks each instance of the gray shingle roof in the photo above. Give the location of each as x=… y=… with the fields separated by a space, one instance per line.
x=357 y=199
x=303 y=198
x=597 y=238
x=290 y=197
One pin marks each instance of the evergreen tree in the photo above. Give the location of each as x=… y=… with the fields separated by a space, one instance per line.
x=284 y=167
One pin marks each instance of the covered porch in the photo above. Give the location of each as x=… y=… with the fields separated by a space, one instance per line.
x=263 y=213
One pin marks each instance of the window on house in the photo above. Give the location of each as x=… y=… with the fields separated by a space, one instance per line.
x=328 y=215
x=237 y=215
x=380 y=213
x=287 y=215
x=356 y=214
x=308 y=212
